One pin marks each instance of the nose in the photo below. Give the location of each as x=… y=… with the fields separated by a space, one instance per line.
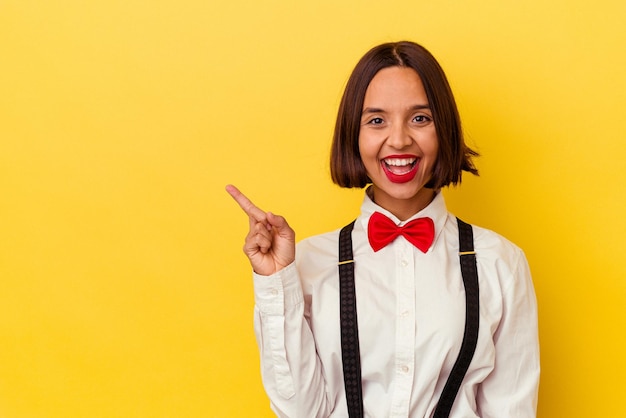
x=399 y=136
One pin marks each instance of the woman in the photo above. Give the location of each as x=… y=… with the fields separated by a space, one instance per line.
x=399 y=329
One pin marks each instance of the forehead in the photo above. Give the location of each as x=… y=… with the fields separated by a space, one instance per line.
x=395 y=85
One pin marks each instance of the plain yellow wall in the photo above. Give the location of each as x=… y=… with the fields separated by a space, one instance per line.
x=123 y=289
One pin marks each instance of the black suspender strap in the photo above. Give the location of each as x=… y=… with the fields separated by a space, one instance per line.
x=350 y=354
x=472 y=315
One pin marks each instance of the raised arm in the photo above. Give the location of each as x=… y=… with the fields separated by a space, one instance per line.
x=290 y=367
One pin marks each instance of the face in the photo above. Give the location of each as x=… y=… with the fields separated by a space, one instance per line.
x=398 y=141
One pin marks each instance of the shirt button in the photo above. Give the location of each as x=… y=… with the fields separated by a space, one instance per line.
x=404 y=263
x=274 y=292
x=404 y=314
x=405 y=369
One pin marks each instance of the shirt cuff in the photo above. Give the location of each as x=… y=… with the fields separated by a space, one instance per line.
x=278 y=292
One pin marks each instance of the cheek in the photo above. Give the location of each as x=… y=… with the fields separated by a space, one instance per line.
x=368 y=155
x=431 y=153
x=434 y=152
x=431 y=146
x=366 y=148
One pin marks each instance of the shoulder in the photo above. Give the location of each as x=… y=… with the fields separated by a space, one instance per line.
x=319 y=242
x=491 y=247
x=494 y=251
x=317 y=253
x=492 y=243
x=486 y=241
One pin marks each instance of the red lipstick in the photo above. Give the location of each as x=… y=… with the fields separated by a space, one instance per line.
x=400 y=168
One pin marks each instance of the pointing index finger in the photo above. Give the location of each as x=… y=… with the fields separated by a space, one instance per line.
x=246 y=204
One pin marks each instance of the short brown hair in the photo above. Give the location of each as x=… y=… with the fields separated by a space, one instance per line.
x=454 y=157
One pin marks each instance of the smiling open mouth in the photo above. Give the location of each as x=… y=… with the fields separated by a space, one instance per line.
x=400 y=169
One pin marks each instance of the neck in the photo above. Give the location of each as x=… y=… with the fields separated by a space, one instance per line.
x=401 y=208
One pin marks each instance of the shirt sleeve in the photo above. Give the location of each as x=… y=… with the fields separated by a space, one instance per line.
x=290 y=368
x=510 y=391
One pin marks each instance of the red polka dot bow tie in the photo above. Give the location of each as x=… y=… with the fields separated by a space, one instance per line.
x=381 y=231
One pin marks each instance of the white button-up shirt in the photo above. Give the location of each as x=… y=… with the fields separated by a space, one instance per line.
x=411 y=318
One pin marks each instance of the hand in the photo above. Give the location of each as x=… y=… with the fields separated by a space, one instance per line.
x=271 y=243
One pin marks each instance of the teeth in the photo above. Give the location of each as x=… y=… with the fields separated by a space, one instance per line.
x=399 y=162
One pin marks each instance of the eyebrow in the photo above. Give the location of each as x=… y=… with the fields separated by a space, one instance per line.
x=369 y=110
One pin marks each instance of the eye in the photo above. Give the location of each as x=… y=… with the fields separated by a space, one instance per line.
x=422 y=119
x=375 y=121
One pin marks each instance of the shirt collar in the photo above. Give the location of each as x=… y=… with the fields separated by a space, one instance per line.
x=436 y=210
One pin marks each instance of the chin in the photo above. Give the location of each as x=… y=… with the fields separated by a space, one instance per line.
x=405 y=192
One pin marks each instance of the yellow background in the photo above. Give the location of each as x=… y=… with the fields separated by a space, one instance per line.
x=123 y=288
